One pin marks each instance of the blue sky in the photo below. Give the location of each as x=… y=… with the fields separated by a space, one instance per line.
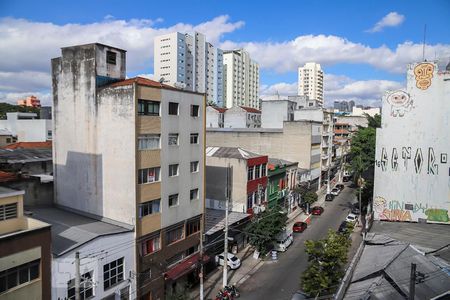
x=279 y=35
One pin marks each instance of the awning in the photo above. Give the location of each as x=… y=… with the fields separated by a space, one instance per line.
x=184 y=267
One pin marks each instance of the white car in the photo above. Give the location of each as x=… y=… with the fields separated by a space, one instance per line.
x=233 y=262
x=283 y=240
x=352 y=218
x=335 y=191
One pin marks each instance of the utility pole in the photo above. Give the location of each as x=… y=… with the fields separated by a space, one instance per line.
x=225 y=252
x=77 y=276
x=412 y=282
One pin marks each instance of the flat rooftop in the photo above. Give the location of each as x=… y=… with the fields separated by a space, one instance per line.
x=7 y=192
x=215 y=219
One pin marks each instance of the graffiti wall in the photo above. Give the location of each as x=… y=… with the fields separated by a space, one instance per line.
x=412 y=171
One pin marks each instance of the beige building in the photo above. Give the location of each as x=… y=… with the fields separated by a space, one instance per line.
x=131 y=151
x=241 y=79
x=296 y=141
x=25 y=257
x=310 y=81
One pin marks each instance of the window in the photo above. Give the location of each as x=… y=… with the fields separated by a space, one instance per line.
x=149 y=141
x=148 y=108
x=173 y=108
x=8 y=140
x=125 y=293
x=149 y=175
x=173 y=139
x=192 y=227
x=8 y=211
x=151 y=245
x=250 y=173
x=194 y=166
x=112 y=273
x=194 y=194
x=16 y=276
x=49 y=134
x=86 y=287
x=149 y=207
x=257 y=171
x=173 y=170
x=173 y=200
x=111 y=57
x=194 y=138
x=194 y=110
x=175 y=234
x=263 y=170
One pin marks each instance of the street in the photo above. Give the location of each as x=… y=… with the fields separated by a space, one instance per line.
x=280 y=279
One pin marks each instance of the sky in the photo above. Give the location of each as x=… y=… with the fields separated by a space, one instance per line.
x=362 y=46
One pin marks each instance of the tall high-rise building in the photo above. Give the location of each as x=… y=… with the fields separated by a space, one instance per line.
x=190 y=62
x=241 y=79
x=131 y=152
x=310 y=81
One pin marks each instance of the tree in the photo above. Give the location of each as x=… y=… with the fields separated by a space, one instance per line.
x=264 y=227
x=327 y=258
x=374 y=122
x=310 y=197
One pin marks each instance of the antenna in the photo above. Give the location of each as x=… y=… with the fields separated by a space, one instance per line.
x=161 y=80
x=424 y=38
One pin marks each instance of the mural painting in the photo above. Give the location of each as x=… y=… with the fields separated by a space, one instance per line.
x=400 y=102
x=423 y=73
x=399 y=211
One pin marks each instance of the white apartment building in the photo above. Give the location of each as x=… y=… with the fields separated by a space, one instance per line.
x=131 y=151
x=26 y=127
x=310 y=81
x=241 y=79
x=190 y=62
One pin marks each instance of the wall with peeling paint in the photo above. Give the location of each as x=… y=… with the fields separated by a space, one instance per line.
x=412 y=168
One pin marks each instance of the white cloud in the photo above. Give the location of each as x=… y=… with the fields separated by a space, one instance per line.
x=392 y=19
x=12 y=97
x=339 y=87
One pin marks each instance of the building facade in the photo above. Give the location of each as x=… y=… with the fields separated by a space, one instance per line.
x=26 y=127
x=247 y=179
x=241 y=79
x=362 y=111
x=25 y=254
x=215 y=116
x=413 y=145
x=191 y=63
x=30 y=101
x=131 y=152
x=310 y=81
x=242 y=117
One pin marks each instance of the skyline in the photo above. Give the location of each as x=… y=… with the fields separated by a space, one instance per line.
x=361 y=59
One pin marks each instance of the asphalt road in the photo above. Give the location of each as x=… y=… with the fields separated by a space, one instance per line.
x=279 y=280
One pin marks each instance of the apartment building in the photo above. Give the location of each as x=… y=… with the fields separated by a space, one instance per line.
x=242 y=117
x=30 y=101
x=310 y=81
x=215 y=116
x=131 y=151
x=191 y=63
x=25 y=255
x=241 y=79
x=26 y=127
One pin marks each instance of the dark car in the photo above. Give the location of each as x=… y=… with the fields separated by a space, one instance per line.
x=329 y=197
x=355 y=209
x=299 y=226
x=340 y=186
x=317 y=210
x=343 y=227
x=346 y=178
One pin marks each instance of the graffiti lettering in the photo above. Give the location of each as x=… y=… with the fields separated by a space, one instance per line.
x=394 y=159
x=418 y=160
x=437 y=215
x=406 y=155
x=396 y=215
x=432 y=165
x=384 y=159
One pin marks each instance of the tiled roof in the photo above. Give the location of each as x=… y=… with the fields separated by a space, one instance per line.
x=250 y=109
x=7 y=176
x=341 y=131
x=219 y=109
x=148 y=82
x=29 y=145
x=230 y=152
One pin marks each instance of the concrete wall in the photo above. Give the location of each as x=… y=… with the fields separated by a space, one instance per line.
x=358 y=111
x=183 y=154
x=212 y=117
x=354 y=121
x=412 y=165
x=235 y=117
x=94 y=144
x=115 y=246
x=275 y=112
x=293 y=143
x=34 y=130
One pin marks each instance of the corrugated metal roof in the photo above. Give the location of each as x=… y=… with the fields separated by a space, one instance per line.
x=215 y=219
x=230 y=152
x=13 y=156
x=71 y=230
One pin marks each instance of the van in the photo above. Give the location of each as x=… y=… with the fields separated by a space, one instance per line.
x=283 y=240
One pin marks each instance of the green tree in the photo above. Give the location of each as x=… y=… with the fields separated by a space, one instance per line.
x=6 y=108
x=310 y=197
x=374 y=122
x=264 y=227
x=327 y=258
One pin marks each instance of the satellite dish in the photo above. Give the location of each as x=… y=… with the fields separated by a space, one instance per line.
x=161 y=80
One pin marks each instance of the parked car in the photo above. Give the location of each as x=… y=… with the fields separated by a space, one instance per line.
x=346 y=178
x=352 y=218
x=282 y=241
x=329 y=197
x=299 y=226
x=343 y=227
x=232 y=262
x=317 y=210
x=355 y=209
x=335 y=191
x=340 y=186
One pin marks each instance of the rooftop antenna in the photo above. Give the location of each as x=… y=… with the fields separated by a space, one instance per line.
x=424 y=38
x=161 y=80
x=278 y=95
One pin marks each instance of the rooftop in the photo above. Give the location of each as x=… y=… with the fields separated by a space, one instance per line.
x=215 y=219
x=230 y=152
x=281 y=162
x=219 y=109
x=29 y=145
x=4 y=131
x=7 y=192
x=7 y=176
x=260 y=130
x=71 y=230
x=13 y=156
x=148 y=82
x=250 y=109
